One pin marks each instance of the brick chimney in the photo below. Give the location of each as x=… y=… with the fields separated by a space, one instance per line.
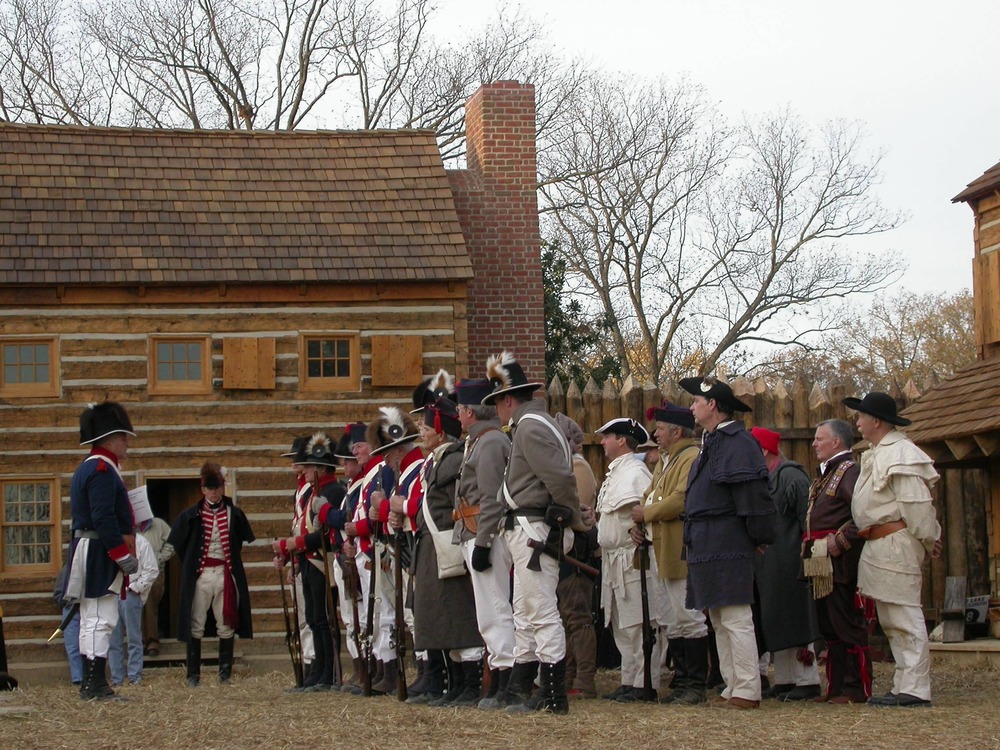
x=498 y=209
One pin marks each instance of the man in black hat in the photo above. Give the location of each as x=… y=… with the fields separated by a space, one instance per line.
x=543 y=506
x=659 y=518
x=728 y=514
x=103 y=548
x=209 y=538
x=477 y=525
x=623 y=489
x=312 y=541
x=894 y=514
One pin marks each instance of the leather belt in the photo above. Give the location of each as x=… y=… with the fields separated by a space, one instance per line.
x=86 y=534
x=882 y=530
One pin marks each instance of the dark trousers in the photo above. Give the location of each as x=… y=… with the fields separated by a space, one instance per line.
x=575 y=595
x=314 y=593
x=842 y=623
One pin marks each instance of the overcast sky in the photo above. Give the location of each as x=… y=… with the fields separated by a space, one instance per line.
x=920 y=76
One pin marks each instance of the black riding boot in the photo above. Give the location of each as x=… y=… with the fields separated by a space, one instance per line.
x=225 y=659
x=194 y=662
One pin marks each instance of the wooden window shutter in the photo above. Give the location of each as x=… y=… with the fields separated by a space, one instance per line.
x=248 y=363
x=397 y=360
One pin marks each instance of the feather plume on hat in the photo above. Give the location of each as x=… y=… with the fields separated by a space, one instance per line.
x=496 y=369
x=392 y=428
x=319 y=440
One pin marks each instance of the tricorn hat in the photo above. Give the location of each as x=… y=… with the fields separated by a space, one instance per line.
x=213 y=476
x=625 y=427
x=393 y=427
x=297 y=445
x=441 y=385
x=713 y=389
x=100 y=420
x=318 y=452
x=505 y=376
x=442 y=417
x=879 y=405
x=671 y=414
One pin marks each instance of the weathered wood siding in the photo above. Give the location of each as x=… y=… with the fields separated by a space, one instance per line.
x=103 y=353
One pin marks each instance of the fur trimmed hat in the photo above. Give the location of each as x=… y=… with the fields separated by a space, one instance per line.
x=505 y=376
x=213 y=476
x=99 y=421
x=393 y=427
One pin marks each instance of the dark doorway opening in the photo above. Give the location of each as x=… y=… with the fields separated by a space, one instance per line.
x=168 y=497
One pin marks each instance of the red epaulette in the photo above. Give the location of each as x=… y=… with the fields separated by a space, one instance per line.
x=101 y=466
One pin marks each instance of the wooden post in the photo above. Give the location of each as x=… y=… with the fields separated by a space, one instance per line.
x=975 y=491
x=593 y=413
x=556 y=397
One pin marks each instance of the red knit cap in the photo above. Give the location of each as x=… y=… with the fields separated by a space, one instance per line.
x=768 y=439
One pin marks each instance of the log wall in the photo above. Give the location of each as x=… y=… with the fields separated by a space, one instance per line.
x=103 y=353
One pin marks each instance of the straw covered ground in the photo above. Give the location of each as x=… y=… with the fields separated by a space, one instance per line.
x=255 y=712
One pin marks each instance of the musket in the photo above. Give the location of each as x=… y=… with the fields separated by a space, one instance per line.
x=353 y=582
x=331 y=609
x=546 y=550
x=65 y=622
x=648 y=636
x=399 y=627
x=292 y=637
x=369 y=655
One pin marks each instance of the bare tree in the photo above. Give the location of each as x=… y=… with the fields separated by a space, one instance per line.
x=272 y=64
x=698 y=241
x=46 y=72
x=898 y=338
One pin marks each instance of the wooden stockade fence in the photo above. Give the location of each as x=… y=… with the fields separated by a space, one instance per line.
x=794 y=410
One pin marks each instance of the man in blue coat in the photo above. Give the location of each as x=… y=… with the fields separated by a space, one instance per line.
x=728 y=514
x=102 y=555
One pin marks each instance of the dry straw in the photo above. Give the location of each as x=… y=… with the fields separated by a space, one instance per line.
x=255 y=712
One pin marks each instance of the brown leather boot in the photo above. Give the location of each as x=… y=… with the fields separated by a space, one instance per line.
x=387 y=684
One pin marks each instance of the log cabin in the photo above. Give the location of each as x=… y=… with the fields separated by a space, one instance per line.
x=234 y=289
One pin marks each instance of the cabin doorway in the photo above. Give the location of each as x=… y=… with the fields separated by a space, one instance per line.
x=168 y=496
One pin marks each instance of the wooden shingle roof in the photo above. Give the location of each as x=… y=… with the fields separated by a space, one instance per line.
x=960 y=418
x=119 y=206
x=983 y=185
